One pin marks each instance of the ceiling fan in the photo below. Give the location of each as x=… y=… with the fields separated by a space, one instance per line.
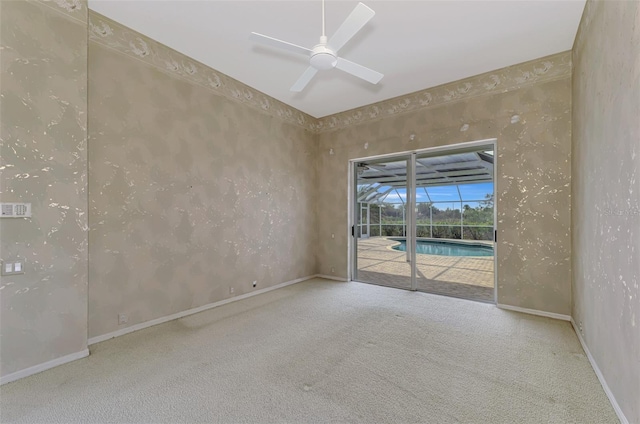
x=324 y=55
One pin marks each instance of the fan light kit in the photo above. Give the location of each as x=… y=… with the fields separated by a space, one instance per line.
x=324 y=55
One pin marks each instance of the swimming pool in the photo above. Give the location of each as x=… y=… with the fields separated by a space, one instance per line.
x=446 y=248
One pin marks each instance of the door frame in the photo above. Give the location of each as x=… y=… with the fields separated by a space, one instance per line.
x=410 y=155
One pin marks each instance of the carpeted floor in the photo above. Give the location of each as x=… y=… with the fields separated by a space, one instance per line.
x=323 y=351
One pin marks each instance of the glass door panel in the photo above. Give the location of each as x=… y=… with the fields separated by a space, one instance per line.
x=455 y=224
x=382 y=195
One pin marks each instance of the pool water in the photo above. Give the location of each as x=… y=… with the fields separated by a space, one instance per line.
x=444 y=248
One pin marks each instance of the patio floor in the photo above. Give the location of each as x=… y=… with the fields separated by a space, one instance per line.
x=469 y=277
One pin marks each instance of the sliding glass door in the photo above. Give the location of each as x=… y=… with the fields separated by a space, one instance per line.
x=425 y=221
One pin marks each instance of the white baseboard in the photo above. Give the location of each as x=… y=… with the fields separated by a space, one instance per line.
x=605 y=386
x=43 y=367
x=535 y=312
x=146 y=324
x=330 y=277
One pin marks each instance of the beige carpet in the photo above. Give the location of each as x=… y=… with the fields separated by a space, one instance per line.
x=325 y=351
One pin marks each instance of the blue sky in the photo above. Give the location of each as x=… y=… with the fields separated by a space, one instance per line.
x=444 y=193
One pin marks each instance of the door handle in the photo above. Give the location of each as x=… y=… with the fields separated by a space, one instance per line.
x=408 y=237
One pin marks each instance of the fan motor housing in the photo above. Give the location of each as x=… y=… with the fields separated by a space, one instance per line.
x=323 y=58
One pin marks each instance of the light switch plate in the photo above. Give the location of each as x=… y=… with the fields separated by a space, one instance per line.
x=13 y=267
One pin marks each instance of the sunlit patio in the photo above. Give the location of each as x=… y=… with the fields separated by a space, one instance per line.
x=468 y=277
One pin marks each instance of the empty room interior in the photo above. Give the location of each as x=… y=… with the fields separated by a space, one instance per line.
x=310 y=211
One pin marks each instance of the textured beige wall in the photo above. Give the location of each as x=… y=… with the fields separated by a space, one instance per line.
x=532 y=124
x=43 y=161
x=190 y=193
x=198 y=183
x=606 y=194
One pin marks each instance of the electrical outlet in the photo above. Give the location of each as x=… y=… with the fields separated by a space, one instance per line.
x=255 y=283
x=231 y=290
x=123 y=319
x=333 y=236
x=333 y=270
x=581 y=330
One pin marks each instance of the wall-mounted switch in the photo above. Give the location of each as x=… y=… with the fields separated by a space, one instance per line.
x=13 y=267
x=15 y=210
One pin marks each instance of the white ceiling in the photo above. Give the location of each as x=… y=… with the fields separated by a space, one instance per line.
x=416 y=44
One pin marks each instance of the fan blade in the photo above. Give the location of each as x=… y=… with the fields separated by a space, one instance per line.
x=354 y=22
x=359 y=71
x=304 y=79
x=274 y=42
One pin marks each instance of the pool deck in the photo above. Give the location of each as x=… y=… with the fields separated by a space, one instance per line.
x=469 y=277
